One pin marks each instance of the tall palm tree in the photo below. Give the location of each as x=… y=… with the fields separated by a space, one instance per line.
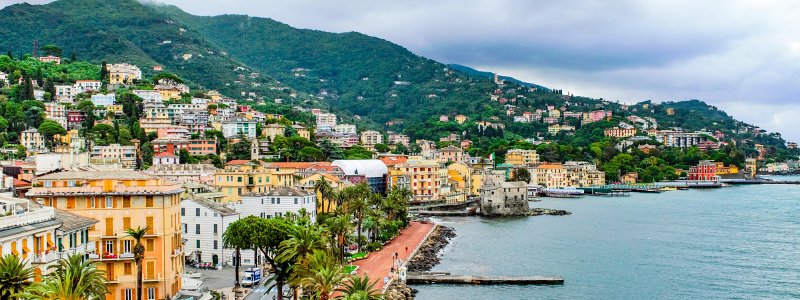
x=15 y=275
x=357 y=205
x=138 y=255
x=361 y=288
x=339 y=227
x=323 y=188
x=321 y=274
x=71 y=278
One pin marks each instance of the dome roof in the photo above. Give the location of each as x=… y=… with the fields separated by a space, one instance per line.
x=366 y=167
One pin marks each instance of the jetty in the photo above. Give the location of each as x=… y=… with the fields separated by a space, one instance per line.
x=447 y=278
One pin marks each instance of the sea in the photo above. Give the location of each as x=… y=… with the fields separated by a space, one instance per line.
x=739 y=242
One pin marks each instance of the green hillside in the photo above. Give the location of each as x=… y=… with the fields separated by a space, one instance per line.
x=122 y=31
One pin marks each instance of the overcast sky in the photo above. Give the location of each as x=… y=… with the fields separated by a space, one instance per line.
x=742 y=56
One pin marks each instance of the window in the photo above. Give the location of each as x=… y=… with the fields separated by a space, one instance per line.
x=109 y=201
x=126 y=246
x=151 y=293
x=198 y=243
x=126 y=202
x=273 y=200
x=92 y=203
x=149 y=201
x=215 y=229
x=197 y=228
x=109 y=246
x=197 y=211
x=183 y=211
x=150 y=245
x=128 y=268
x=185 y=228
x=278 y=200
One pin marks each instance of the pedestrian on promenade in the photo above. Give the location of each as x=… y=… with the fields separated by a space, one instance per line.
x=406 y=249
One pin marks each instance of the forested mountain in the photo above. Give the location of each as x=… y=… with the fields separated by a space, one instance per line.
x=349 y=73
x=484 y=74
x=123 y=31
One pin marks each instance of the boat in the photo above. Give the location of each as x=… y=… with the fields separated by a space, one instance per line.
x=668 y=188
x=683 y=188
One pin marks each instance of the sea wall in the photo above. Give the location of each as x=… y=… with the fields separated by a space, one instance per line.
x=428 y=254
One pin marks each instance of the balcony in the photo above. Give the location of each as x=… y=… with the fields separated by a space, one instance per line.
x=157 y=277
x=45 y=257
x=27 y=217
x=112 y=256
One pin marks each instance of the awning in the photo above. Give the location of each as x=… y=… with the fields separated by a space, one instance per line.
x=14 y=251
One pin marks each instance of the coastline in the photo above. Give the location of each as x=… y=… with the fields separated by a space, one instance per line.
x=423 y=258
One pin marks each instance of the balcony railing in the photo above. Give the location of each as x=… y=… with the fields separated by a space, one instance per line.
x=28 y=217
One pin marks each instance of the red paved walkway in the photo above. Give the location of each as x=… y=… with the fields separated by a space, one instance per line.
x=378 y=264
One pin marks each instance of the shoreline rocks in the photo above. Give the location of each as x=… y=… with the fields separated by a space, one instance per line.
x=399 y=291
x=546 y=211
x=428 y=254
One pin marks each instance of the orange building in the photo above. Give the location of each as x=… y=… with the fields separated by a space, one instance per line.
x=120 y=200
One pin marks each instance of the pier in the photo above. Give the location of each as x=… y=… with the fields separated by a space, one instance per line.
x=447 y=278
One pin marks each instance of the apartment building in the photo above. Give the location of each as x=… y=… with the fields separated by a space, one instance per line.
x=520 y=157
x=120 y=200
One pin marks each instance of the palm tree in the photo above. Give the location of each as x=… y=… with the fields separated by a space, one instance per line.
x=71 y=278
x=14 y=275
x=360 y=288
x=138 y=255
x=358 y=205
x=321 y=274
x=323 y=188
x=303 y=241
x=339 y=227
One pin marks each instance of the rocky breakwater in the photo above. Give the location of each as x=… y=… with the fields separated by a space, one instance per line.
x=428 y=254
x=546 y=211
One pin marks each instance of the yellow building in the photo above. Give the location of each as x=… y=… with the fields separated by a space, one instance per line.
x=114 y=109
x=273 y=130
x=123 y=73
x=519 y=157
x=244 y=177
x=121 y=200
x=302 y=131
x=726 y=170
x=460 y=175
x=461 y=119
x=551 y=175
x=170 y=93
x=336 y=183
x=555 y=129
x=422 y=178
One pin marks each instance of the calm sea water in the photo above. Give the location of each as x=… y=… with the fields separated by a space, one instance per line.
x=730 y=243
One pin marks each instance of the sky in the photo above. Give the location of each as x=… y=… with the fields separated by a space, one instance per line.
x=742 y=56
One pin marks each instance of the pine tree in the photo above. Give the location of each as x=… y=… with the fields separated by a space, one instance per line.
x=10 y=55
x=103 y=72
x=50 y=88
x=73 y=58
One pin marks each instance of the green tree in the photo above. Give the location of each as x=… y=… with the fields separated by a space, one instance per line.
x=70 y=278
x=240 y=150
x=51 y=49
x=382 y=148
x=521 y=174
x=239 y=236
x=361 y=288
x=321 y=275
x=15 y=276
x=310 y=154
x=49 y=129
x=324 y=189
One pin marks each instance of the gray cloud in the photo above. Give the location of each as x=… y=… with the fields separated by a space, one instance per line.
x=743 y=56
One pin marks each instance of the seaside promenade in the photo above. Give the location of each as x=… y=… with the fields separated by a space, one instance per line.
x=379 y=264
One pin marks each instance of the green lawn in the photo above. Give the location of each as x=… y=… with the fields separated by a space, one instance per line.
x=359 y=255
x=350 y=269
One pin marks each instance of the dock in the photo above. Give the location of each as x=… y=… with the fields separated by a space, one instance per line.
x=447 y=278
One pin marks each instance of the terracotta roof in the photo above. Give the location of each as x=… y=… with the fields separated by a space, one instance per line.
x=394 y=160
x=21 y=183
x=165 y=154
x=238 y=162
x=94 y=175
x=295 y=165
x=550 y=166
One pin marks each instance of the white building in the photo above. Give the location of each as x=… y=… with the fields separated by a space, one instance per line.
x=166 y=158
x=4 y=77
x=84 y=86
x=203 y=222
x=64 y=93
x=149 y=96
x=123 y=73
x=370 y=138
x=41 y=235
x=125 y=156
x=239 y=125
x=345 y=128
x=32 y=140
x=104 y=99
x=278 y=202
x=200 y=173
x=326 y=121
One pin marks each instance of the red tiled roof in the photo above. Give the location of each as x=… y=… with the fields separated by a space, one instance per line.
x=238 y=162
x=165 y=154
x=21 y=183
x=394 y=160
